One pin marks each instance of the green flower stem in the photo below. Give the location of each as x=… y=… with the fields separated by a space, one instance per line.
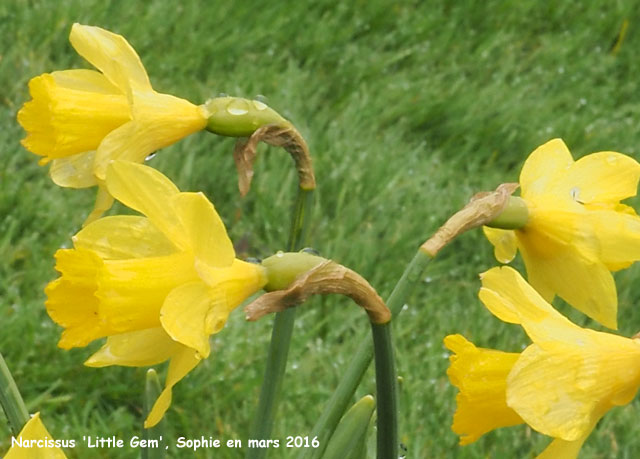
x=301 y=218
x=280 y=337
x=386 y=392
x=152 y=390
x=11 y=400
x=347 y=386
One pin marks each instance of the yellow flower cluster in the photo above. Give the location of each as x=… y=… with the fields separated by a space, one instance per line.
x=577 y=232
x=157 y=286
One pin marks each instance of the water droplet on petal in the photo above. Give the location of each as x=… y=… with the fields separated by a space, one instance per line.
x=261 y=98
x=575 y=193
x=279 y=254
x=223 y=94
x=150 y=157
x=612 y=159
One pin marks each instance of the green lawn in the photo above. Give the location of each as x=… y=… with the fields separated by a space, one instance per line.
x=408 y=108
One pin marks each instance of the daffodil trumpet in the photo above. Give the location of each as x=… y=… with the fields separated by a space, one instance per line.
x=560 y=385
x=577 y=231
x=157 y=286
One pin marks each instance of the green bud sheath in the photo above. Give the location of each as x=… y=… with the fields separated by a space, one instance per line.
x=351 y=429
x=237 y=117
x=284 y=267
x=515 y=215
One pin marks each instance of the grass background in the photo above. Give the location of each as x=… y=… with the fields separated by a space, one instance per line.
x=409 y=108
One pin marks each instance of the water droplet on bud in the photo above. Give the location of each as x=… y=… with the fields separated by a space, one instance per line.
x=259 y=105
x=238 y=107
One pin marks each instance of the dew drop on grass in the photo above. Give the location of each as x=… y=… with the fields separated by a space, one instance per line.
x=405 y=307
x=428 y=279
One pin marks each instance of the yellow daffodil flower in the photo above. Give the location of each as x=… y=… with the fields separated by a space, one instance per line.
x=560 y=385
x=158 y=286
x=79 y=120
x=577 y=231
x=36 y=442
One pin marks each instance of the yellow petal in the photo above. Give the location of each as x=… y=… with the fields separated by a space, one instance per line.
x=204 y=229
x=601 y=177
x=562 y=449
x=71 y=112
x=508 y=296
x=112 y=55
x=182 y=363
x=123 y=236
x=74 y=171
x=159 y=120
x=104 y=201
x=184 y=312
x=131 y=291
x=581 y=280
x=544 y=166
x=34 y=430
x=504 y=243
x=618 y=236
x=481 y=377
x=135 y=349
x=563 y=389
x=146 y=190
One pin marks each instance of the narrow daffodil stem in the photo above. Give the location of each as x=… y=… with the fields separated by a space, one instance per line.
x=386 y=392
x=11 y=400
x=280 y=337
x=152 y=390
x=354 y=372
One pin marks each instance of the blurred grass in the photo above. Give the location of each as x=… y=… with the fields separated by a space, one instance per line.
x=408 y=109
